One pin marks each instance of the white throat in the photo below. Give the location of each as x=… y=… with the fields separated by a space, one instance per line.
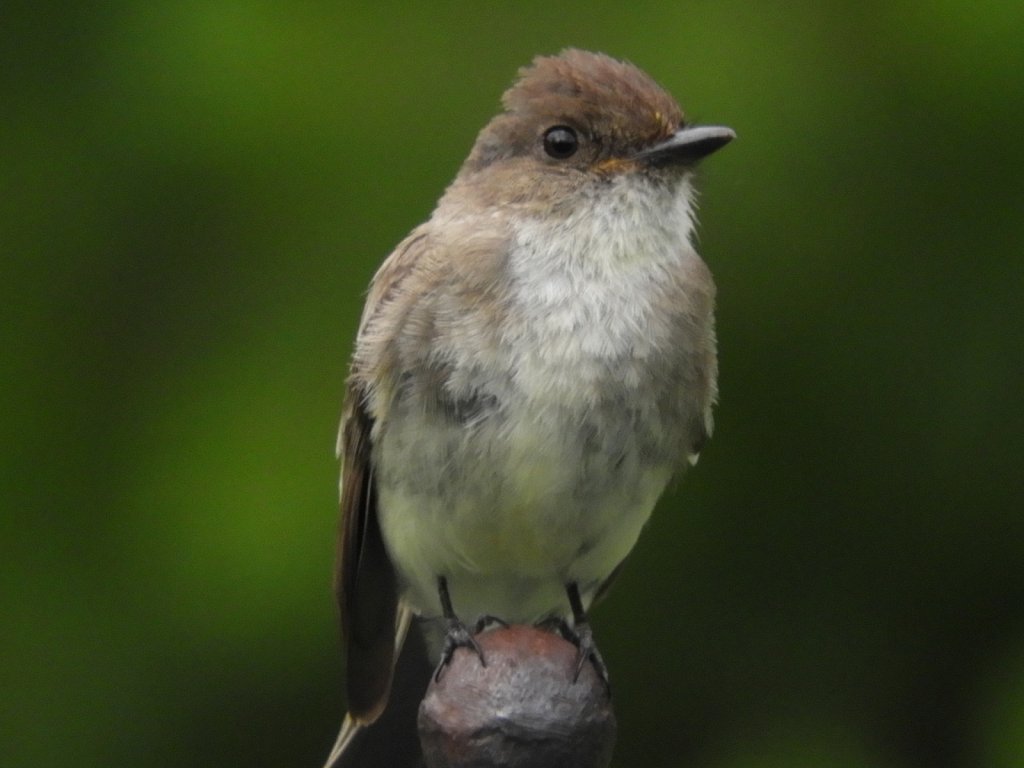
x=591 y=282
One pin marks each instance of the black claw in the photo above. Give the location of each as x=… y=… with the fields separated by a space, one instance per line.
x=588 y=650
x=583 y=637
x=458 y=635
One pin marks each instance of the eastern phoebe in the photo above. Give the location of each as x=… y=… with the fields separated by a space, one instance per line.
x=532 y=367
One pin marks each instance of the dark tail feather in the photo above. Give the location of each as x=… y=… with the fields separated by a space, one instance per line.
x=392 y=741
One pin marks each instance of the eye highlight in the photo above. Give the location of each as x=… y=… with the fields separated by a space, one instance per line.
x=561 y=142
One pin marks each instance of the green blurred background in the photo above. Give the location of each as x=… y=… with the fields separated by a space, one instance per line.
x=194 y=196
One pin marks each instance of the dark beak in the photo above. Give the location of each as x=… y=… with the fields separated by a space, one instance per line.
x=687 y=145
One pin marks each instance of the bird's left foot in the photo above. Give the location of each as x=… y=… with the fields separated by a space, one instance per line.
x=580 y=635
x=587 y=649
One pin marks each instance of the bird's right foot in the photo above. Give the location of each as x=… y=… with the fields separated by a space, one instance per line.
x=458 y=634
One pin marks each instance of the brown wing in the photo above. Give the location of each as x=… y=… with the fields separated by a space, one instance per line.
x=365 y=578
x=394 y=335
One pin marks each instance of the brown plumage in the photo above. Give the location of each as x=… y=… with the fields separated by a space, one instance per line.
x=531 y=367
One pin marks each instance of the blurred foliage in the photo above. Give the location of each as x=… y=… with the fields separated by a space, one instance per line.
x=194 y=196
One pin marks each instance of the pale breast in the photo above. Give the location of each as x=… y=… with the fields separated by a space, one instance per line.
x=532 y=453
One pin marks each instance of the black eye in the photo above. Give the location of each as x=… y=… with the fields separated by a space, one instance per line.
x=561 y=142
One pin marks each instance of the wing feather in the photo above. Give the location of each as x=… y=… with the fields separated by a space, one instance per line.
x=366 y=584
x=365 y=579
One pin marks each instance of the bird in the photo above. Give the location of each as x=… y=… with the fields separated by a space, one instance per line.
x=533 y=366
